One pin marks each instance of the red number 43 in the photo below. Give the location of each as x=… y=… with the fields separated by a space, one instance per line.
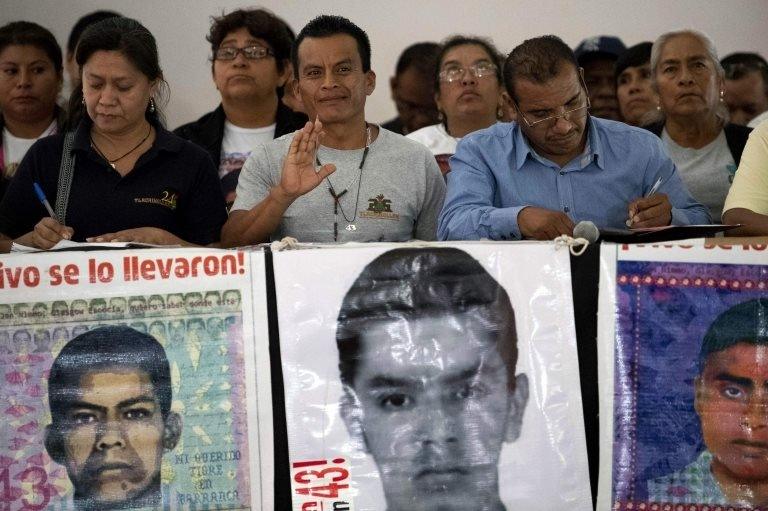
x=330 y=491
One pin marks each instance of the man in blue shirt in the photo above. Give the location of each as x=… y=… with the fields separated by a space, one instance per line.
x=556 y=165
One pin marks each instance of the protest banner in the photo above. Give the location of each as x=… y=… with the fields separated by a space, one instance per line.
x=682 y=345
x=431 y=377
x=130 y=380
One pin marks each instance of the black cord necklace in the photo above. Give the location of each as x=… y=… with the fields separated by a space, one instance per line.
x=112 y=162
x=337 y=196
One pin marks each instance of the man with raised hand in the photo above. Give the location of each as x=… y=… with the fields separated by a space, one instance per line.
x=339 y=178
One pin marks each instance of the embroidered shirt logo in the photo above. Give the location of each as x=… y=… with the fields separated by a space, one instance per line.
x=379 y=207
x=167 y=198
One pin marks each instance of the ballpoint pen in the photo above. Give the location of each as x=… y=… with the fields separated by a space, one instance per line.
x=41 y=195
x=654 y=188
x=651 y=193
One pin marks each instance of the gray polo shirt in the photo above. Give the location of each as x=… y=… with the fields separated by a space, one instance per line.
x=401 y=192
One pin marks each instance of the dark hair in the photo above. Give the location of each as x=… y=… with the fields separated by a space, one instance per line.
x=104 y=348
x=419 y=56
x=414 y=282
x=745 y=322
x=635 y=56
x=461 y=40
x=261 y=24
x=85 y=22
x=737 y=65
x=26 y=33
x=135 y=43
x=538 y=60
x=327 y=26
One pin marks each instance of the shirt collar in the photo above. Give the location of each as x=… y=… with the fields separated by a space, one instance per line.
x=594 y=144
x=592 y=149
x=522 y=149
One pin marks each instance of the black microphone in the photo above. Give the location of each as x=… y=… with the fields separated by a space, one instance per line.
x=587 y=230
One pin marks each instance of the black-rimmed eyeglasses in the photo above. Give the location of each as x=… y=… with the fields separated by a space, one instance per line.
x=253 y=52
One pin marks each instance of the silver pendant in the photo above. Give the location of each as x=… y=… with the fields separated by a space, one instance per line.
x=351 y=227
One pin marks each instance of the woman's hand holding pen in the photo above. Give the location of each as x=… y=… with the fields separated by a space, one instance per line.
x=49 y=230
x=46 y=234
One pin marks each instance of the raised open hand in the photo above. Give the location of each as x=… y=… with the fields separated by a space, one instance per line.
x=299 y=174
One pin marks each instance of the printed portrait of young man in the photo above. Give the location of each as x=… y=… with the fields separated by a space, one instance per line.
x=427 y=354
x=111 y=421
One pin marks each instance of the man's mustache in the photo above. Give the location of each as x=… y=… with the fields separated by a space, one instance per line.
x=133 y=470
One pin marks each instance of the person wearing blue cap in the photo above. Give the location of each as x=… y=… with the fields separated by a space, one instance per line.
x=597 y=55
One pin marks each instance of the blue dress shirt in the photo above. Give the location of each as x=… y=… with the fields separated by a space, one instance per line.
x=495 y=174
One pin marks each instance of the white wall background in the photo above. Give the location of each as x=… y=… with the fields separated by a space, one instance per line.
x=180 y=27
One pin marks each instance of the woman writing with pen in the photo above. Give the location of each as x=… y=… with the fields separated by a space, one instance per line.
x=121 y=176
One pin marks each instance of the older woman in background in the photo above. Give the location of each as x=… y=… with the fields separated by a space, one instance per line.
x=707 y=149
x=30 y=81
x=468 y=94
x=131 y=180
x=633 y=84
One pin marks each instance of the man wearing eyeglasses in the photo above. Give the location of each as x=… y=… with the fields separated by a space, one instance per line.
x=537 y=177
x=251 y=51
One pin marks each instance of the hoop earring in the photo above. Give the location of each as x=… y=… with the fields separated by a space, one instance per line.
x=151 y=105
